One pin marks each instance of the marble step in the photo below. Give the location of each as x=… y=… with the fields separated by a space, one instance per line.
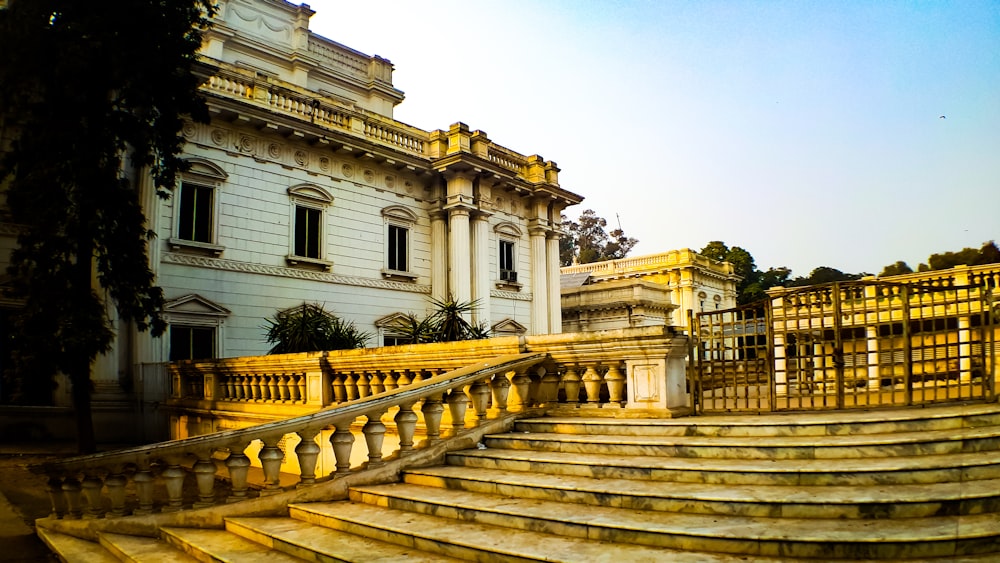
x=881 y=538
x=850 y=471
x=317 y=543
x=75 y=550
x=932 y=442
x=212 y=545
x=471 y=541
x=772 y=501
x=142 y=549
x=816 y=424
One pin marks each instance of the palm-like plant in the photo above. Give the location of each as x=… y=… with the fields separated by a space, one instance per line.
x=310 y=328
x=446 y=324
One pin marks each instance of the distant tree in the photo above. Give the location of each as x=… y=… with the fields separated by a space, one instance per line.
x=896 y=269
x=757 y=290
x=753 y=284
x=988 y=253
x=824 y=274
x=587 y=241
x=311 y=328
x=92 y=93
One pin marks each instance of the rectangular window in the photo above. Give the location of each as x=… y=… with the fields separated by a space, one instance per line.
x=308 y=231
x=195 y=215
x=191 y=343
x=508 y=271
x=397 y=248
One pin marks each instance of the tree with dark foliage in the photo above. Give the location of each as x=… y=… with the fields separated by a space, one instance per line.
x=588 y=241
x=92 y=96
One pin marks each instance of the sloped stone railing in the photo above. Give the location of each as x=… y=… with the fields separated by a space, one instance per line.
x=77 y=486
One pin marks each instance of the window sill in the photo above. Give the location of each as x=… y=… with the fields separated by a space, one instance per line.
x=310 y=263
x=399 y=275
x=510 y=286
x=195 y=246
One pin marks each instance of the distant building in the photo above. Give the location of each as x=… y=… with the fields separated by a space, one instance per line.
x=645 y=290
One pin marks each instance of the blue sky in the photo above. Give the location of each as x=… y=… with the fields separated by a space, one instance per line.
x=808 y=133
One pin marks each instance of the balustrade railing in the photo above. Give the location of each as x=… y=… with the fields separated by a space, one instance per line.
x=430 y=387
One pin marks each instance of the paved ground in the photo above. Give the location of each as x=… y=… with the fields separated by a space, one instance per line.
x=23 y=499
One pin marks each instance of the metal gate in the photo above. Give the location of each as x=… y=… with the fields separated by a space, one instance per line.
x=846 y=345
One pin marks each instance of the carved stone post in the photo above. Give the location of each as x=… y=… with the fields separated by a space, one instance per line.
x=479 y=394
x=592 y=384
x=406 y=425
x=71 y=490
x=374 y=432
x=238 y=465
x=500 y=386
x=364 y=387
x=616 y=384
x=204 y=476
x=458 y=402
x=432 y=410
x=173 y=477
x=389 y=381
x=272 y=388
x=521 y=385
x=342 y=441
x=571 y=383
x=308 y=452
x=116 y=492
x=143 y=480
x=548 y=387
x=270 y=457
x=91 y=487
x=352 y=382
x=57 y=497
x=339 y=381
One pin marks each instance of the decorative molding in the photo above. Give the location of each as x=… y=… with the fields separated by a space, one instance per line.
x=501 y=294
x=279 y=271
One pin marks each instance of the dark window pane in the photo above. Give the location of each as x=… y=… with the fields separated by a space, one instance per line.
x=195 y=215
x=191 y=343
x=307 y=232
x=397 y=248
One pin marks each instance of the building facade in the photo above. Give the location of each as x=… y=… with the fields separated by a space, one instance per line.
x=645 y=290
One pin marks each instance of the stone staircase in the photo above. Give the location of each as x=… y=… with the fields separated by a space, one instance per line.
x=909 y=484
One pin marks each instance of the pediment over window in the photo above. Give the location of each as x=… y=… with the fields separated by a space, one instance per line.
x=390 y=321
x=194 y=304
x=311 y=192
x=399 y=213
x=205 y=168
x=508 y=229
x=509 y=326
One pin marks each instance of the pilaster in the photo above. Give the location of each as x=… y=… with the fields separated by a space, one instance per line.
x=554 y=297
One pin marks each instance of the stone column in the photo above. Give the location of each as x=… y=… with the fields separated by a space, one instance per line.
x=439 y=255
x=460 y=269
x=481 y=268
x=555 y=297
x=539 y=280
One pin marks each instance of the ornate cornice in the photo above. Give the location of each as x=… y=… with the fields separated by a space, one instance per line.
x=262 y=269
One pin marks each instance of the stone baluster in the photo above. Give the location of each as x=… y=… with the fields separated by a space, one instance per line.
x=458 y=402
x=521 y=386
x=479 y=396
x=351 y=385
x=432 y=410
x=230 y=387
x=571 y=384
x=294 y=395
x=592 y=381
x=616 y=384
x=301 y=387
x=173 y=477
x=247 y=393
x=71 y=490
x=256 y=384
x=91 y=488
x=500 y=386
x=204 y=477
x=308 y=452
x=375 y=383
x=404 y=379
x=535 y=385
x=389 y=381
x=364 y=385
x=339 y=383
x=56 y=497
x=406 y=425
x=143 y=480
x=342 y=440
x=548 y=387
x=116 y=482
x=283 y=388
x=374 y=432
x=238 y=465
x=272 y=388
x=270 y=457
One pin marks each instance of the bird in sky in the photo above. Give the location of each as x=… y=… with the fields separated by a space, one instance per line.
x=942 y=117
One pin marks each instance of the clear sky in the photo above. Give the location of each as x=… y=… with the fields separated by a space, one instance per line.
x=809 y=133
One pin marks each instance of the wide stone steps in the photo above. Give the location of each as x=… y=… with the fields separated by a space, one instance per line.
x=794 y=501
